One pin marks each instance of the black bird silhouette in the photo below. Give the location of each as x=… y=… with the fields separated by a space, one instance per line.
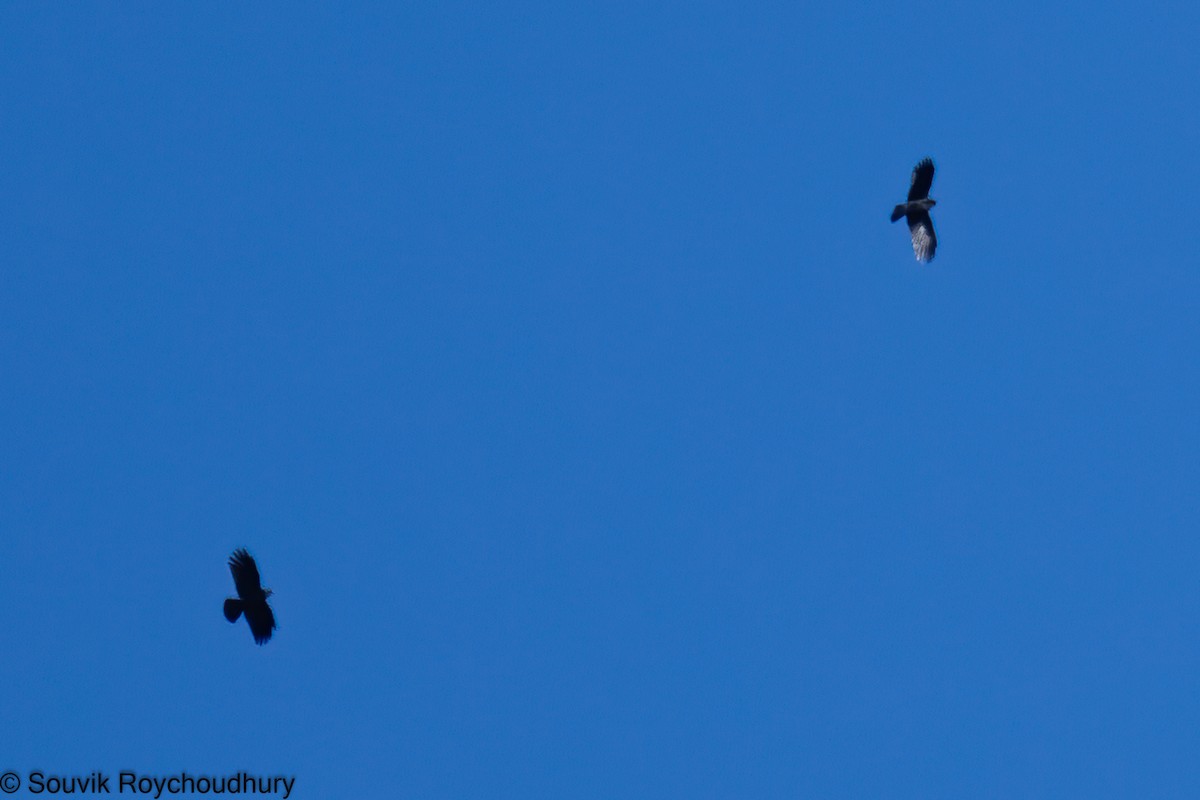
x=917 y=211
x=251 y=599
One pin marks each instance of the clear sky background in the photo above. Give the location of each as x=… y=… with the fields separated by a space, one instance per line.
x=598 y=434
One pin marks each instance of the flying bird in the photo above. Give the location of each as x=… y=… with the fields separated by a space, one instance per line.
x=251 y=599
x=917 y=211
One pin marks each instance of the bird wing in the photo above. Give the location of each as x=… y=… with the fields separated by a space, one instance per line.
x=261 y=619
x=922 y=180
x=245 y=575
x=923 y=238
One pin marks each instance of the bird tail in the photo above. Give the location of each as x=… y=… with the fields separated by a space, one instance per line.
x=233 y=609
x=898 y=212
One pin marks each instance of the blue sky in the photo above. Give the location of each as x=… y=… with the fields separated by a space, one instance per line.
x=597 y=433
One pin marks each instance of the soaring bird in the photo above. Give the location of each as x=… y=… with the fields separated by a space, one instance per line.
x=251 y=599
x=917 y=211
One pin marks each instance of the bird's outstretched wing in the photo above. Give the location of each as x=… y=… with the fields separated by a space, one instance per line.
x=245 y=575
x=922 y=179
x=262 y=621
x=923 y=238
